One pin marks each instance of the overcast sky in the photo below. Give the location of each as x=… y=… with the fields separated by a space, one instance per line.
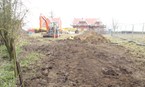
x=123 y=11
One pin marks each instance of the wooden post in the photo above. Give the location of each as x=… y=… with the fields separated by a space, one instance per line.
x=17 y=67
x=20 y=74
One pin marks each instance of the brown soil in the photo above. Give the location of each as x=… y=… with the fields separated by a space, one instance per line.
x=92 y=37
x=85 y=61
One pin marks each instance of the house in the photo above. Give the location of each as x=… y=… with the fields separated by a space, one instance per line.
x=87 y=24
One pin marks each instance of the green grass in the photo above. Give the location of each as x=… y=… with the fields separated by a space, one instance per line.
x=6 y=69
x=7 y=78
x=3 y=52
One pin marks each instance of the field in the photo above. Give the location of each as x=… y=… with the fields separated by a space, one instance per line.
x=135 y=37
x=86 y=60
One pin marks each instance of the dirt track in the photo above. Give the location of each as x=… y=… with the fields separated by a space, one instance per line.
x=84 y=63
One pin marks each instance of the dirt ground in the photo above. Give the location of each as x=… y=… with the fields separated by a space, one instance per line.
x=89 y=60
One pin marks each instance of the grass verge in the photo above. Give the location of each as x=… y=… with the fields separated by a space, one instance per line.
x=7 y=78
x=136 y=49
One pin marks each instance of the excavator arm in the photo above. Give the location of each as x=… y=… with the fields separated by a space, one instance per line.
x=44 y=22
x=50 y=25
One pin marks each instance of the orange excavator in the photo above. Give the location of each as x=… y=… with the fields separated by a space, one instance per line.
x=51 y=26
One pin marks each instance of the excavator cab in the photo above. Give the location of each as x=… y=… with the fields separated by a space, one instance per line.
x=53 y=31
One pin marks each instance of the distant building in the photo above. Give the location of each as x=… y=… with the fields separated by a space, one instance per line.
x=88 y=24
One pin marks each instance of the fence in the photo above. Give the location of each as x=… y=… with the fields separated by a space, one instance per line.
x=131 y=32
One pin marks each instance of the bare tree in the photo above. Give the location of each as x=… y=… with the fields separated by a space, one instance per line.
x=11 y=20
x=114 y=25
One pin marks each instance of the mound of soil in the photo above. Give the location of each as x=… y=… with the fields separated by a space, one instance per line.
x=71 y=63
x=92 y=37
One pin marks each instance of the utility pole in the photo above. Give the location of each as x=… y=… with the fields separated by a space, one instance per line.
x=132 y=31
x=51 y=14
x=125 y=32
x=143 y=30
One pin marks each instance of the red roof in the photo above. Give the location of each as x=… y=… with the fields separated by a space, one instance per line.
x=89 y=21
